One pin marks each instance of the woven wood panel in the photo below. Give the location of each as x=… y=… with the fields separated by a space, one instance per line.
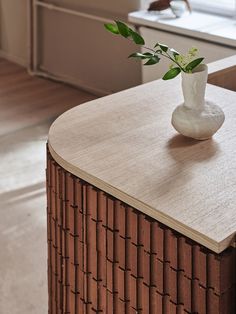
x=104 y=256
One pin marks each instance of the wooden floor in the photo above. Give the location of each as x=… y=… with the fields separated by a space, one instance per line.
x=27 y=101
x=28 y=106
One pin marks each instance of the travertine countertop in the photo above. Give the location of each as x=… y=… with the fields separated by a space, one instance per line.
x=125 y=145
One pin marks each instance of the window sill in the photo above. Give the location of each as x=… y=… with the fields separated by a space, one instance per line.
x=205 y=26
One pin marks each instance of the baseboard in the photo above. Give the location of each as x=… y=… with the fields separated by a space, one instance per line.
x=75 y=82
x=14 y=59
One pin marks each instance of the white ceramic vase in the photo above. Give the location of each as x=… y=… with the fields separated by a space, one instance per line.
x=196 y=117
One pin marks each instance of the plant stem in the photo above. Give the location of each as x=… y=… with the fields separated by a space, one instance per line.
x=166 y=56
x=160 y=53
x=173 y=60
x=150 y=49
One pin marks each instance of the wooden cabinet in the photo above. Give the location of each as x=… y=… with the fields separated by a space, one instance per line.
x=105 y=256
x=140 y=219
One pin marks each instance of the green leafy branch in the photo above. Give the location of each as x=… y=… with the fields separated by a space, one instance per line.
x=153 y=55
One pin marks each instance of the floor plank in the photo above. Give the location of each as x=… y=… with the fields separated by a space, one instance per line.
x=26 y=101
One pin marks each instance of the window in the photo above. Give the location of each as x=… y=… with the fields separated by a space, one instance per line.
x=223 y=7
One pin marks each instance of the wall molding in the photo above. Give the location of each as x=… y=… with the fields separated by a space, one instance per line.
x=13 y=58
x=69 y=81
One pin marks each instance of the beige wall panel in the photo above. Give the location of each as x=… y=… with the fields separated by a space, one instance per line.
x=13 y=23
x=119 y=7
x=80 y=49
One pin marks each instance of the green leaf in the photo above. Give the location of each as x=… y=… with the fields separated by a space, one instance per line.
x=124 y=30
x=149 y=54
x=164 y=47
x=171 y=74
x=145 y=55
x=138 y=39
x=153 y=60
x=112 y=28
x=193 y=64
x=174 y=52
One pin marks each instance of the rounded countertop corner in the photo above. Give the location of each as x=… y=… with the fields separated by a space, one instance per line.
x=124 y=144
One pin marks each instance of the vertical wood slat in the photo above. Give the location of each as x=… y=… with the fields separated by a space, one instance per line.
x=106 y=257
x=49 y=235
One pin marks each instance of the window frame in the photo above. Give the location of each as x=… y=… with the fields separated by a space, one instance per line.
x=196 y=5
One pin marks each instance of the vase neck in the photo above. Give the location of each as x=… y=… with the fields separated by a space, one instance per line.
x=194 y=87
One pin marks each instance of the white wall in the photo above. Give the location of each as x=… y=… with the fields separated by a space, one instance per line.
x=13 y=30
x=70 y=61
x=14 y=19
x=80 y=51
x=120 y=7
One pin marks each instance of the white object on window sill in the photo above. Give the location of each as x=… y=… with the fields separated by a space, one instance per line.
x=178 y=7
